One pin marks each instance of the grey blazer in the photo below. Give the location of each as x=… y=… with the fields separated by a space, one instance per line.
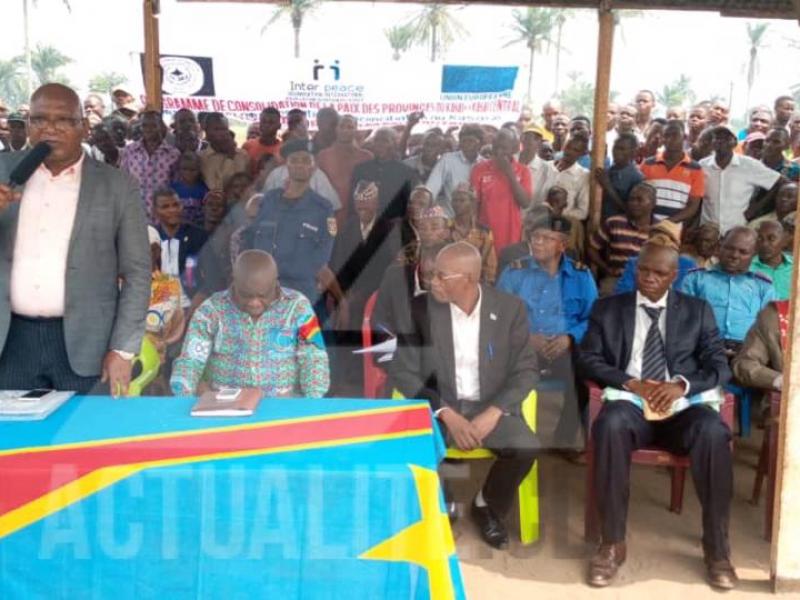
x=108 y=244
x=424 y=364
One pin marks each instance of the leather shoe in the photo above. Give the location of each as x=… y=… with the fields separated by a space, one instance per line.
x=491 y=527
x=721 y=574
x=605 y=563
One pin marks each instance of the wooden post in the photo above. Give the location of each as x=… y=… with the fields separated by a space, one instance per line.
x=602 y=87
x=785 y=555
x=152 y=65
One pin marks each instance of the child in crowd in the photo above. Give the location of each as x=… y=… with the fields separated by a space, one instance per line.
x=191 y=189
x=621 y=177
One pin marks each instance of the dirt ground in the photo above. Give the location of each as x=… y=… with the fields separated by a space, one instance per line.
x=664 y=553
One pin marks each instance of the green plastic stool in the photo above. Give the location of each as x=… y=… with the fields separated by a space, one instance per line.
x=150 y=363
x=528 y=490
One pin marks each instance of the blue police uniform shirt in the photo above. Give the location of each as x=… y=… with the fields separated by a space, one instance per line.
x=556 y=305
x=298 y=233
x=627 y=281
x=735 y=299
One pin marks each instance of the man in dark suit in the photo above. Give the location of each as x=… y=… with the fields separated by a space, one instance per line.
x=660 y=357
x=470 y=356
x=74 y=261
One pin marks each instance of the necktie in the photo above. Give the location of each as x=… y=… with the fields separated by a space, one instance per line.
x=654 y=359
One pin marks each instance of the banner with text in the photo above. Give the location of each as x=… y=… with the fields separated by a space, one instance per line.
x=380 y=95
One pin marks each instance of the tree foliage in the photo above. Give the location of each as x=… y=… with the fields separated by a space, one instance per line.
x=437 y=27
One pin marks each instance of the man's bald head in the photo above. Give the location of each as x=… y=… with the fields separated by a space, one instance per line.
x=462 y=258
x=60 y=93
x=254 y=263
x=255 y=282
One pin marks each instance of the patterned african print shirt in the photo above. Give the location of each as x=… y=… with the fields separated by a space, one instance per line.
x=151 y=171
x=282 y=353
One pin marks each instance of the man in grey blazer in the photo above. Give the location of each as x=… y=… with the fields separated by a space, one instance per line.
x=470 y=356
x=74 y=261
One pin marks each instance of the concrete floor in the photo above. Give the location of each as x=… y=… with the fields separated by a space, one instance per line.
x=664 y=553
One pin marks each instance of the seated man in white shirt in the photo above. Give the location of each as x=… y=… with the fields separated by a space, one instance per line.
x=659 y=355
x=471 y=357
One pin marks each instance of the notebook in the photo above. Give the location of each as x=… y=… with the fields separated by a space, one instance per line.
x=14 y=407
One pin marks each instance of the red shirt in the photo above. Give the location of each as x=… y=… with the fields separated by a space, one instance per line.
x=496 y=206
x=255 y=150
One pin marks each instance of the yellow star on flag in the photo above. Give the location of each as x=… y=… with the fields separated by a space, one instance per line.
x=428 y=542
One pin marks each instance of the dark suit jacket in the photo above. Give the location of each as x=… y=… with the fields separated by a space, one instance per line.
x=693 y=346
x=360 y=264
x=108 y=243
x=424 y=364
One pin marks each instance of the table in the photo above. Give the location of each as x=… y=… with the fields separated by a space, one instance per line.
x=306 y=499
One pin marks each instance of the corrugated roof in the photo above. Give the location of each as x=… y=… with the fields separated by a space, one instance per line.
x=766 y=9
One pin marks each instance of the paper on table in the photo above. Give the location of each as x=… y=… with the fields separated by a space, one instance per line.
x=387 y=347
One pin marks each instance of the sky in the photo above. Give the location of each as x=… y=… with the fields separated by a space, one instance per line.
x=650 y=50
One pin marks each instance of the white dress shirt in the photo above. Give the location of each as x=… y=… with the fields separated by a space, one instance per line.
x=538 y=169
x=466 y=349
x=46 y=216
x=576 y=181
x=640 y=330
x=735 y=184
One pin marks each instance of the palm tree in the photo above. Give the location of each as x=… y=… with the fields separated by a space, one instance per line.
x=12 y=82
x=533 y=27
x=677 y=92
x=107 y=82
x=755 y=34
x=45 y=63
x=400 y=38
x=435 y=25
x=561 y=16
x=296 y=10
x=578 y=97
x=28 y=56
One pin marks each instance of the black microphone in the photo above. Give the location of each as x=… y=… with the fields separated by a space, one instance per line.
x=23 y=171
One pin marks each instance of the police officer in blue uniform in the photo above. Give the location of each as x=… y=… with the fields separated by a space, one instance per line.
x=559 y=294
x=736 y=294
x=295 y=225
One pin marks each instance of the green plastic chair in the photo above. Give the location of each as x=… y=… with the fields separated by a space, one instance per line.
x=150 y=363
x=528 y=490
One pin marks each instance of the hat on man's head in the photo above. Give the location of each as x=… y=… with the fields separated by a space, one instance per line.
x=724 y=129
x=546 y=220
x=666 y=233
x=16 y=116
x=538 y=129
x=297 y=145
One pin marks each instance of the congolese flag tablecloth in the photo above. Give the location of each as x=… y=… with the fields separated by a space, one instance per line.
x=307 y=499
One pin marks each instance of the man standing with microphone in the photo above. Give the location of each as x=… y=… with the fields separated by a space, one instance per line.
x=74 y=259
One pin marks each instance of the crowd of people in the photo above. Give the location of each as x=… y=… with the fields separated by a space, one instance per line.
x=255 y=265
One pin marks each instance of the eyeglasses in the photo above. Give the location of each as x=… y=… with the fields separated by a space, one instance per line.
x=62 y=124
x=445 y=276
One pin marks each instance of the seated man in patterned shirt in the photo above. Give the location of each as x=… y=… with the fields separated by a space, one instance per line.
x=255 y=334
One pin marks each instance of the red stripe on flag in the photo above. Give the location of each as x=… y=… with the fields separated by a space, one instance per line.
x=27 y=476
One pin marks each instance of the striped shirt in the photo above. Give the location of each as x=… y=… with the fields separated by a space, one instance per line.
x=673 y=187
x=617 y=240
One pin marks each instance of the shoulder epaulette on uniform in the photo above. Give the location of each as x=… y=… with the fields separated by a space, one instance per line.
x=578 y=265
x=696 y=270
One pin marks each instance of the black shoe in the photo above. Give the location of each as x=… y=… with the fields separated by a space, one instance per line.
x=491 y=527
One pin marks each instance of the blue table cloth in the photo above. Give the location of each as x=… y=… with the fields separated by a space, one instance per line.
x=315 y=499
